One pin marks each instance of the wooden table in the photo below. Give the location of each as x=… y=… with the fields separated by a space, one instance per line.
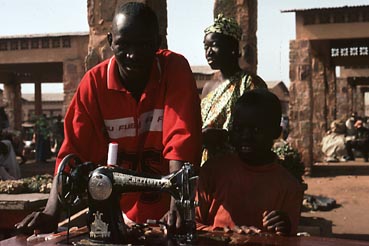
x=220 y=239
x=14 y=207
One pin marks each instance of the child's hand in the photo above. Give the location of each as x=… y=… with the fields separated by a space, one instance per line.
x=277 y=221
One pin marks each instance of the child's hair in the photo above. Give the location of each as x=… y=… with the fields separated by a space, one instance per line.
x=264 y=99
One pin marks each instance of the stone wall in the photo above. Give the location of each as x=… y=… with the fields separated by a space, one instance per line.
x=344 y=98
x=324 y=102
x=301 y=99
x=360 y=93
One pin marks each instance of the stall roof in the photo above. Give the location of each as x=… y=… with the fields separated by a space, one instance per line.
x=324 y=8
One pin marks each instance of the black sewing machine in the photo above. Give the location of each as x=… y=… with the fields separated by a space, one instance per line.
x=104 y=186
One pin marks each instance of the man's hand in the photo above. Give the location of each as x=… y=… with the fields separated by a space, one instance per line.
x=173 y=218
x=37 y=222
x=45 y=221
x=277 y=221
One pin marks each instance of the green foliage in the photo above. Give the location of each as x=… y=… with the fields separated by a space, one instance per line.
x=291 y=160
x=42 y=127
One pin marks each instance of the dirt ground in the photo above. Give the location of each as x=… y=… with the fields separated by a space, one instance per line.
x=351 y=218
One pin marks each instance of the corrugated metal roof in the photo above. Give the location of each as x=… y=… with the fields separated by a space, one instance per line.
x=45 y=35
x=324 y=8
x=46 y=97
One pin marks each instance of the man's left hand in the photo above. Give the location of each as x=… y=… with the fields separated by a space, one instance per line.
x=173 y=218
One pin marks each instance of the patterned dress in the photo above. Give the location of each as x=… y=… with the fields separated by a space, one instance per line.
x=216 y=107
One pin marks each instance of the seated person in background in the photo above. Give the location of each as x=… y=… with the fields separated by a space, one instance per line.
x=221 y=44
x=248 y=189
x=360 y=143
x=333 y=144
x=9 y=168
x=350 y=129
x=285 y=127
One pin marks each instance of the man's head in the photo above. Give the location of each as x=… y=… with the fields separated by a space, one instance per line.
x=256 y=123
x=221 y=42
x=134 y=40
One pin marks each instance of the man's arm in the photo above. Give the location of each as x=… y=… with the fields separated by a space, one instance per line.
x=83 y=126
x=182 y=122
x=173 y=216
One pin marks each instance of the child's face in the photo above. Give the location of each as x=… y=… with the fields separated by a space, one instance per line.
x=252 y=134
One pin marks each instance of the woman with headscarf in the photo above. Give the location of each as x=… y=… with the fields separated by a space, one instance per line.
x=221 y=44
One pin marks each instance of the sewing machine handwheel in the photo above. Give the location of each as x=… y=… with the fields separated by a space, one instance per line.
x=64 y=180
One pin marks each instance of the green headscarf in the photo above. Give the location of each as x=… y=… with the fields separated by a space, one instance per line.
x=226 y=26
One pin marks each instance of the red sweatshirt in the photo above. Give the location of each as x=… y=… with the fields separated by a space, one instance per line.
x=164 y=125
x=231 y=192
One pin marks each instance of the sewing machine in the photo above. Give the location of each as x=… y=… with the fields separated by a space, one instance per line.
x=104 y=186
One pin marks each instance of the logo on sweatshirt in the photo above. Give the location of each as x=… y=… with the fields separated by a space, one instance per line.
x=151 y=121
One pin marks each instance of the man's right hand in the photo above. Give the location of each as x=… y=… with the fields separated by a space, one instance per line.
x=45 y=221
x=37 y=222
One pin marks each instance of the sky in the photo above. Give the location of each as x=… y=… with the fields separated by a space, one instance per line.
x=186 y=21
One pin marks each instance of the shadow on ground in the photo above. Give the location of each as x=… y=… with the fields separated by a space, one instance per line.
x=362 y=237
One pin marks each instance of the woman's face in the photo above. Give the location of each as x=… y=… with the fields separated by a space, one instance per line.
x=221 y=50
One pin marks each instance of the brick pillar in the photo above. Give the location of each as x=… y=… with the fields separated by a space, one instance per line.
x=38 y=98
x=360 y=100
x=313 y=98
x=301 y=100
x=324 y=102
x=344 y=98
x=73 y=71
x=12 y=95
x=245 y=12
x=100 y=16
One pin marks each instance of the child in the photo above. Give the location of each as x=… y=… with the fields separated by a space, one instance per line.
x=248 y=189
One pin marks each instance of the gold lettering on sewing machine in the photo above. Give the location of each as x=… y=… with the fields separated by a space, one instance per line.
x=126 y=179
